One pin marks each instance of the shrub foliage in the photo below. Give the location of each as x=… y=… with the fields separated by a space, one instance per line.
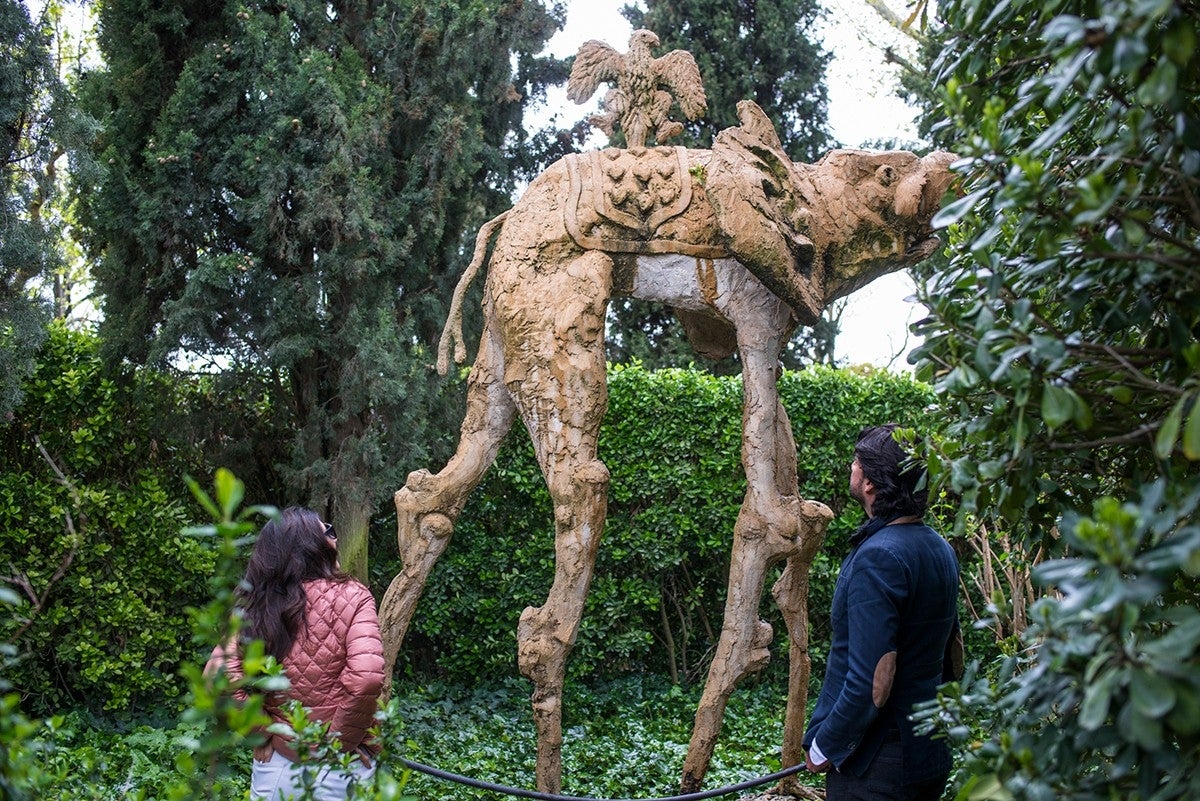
x=92 y=506
x=1066 y=328
x=91 y=509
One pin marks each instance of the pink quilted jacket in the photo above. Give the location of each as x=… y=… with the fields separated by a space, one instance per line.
x=335 y=667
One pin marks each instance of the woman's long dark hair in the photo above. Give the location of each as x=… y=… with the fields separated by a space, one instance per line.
x=288 y=552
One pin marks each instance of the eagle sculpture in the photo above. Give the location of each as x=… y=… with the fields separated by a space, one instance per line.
x=643 y=87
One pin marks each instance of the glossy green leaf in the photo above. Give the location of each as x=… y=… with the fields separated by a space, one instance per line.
x=1057 y=405
x=987 y=788
x=1185 y=715
x=1191 y=431
x=1179 y=42
x=1097 y=697
x=1145 y=730
x=1120 y=393
x=1160 y=86
x=1151 y=693
x=1168 y=433
x=953 y=212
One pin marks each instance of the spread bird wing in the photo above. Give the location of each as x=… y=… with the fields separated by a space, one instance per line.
x=678 y=71
x=595 y=63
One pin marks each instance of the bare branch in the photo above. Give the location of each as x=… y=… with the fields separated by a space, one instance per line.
x=889 y=16
x=1122 y=439
x=22 y=580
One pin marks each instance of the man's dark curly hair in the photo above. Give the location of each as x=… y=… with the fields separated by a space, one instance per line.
x=899 y=479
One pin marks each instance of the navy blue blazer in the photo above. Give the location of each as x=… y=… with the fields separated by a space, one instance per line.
x=896 y=637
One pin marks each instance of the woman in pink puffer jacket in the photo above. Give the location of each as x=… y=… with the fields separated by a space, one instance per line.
x=322 y=626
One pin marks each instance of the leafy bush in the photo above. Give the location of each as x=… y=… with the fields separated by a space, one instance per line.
x=1066 y=330
x=94 y=526
x=91 y=508
x=1113 y=662
x=671 y=440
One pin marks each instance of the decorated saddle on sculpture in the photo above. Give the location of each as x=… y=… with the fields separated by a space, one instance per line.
x=640 y=201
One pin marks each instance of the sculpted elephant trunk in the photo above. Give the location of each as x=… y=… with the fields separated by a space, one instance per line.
x=919 y=195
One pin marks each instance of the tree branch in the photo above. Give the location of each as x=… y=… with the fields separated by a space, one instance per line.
x=20 y=578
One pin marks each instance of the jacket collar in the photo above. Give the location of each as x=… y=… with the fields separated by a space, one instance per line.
x=873 y=524
x=869 y=527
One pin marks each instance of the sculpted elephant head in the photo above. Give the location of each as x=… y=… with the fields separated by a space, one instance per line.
x=816 y=232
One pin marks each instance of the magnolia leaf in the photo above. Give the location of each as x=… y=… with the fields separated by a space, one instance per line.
x=1151 y=693
x=1180 y=641
x=1057 y=405
x=1057 y=572
x=1164 y=443
x=1082 y=413
x=1191 y=432
x=1185 y=716
x=1160 y=86
x=1093 y=712
x=987 y=788
x=1179 y=43
x=1145 y=731
x=955 y=211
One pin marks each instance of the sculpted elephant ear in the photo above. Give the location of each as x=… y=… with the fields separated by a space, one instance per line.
x=909 y=194
x=751 y=185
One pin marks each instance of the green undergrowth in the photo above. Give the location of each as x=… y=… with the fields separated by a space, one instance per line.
x=622 y=739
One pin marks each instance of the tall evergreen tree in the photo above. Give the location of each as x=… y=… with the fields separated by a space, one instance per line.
x=29 y=93
x=750 y=50
x=757 y=50
x=289 y=187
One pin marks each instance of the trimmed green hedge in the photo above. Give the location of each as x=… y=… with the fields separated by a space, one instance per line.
x=671 y=440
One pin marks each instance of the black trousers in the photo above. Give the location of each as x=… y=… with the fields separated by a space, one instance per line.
x=883 y=781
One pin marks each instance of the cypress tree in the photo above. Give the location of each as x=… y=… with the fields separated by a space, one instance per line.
x=289 y=185
x=29 y=89
x=750 y=50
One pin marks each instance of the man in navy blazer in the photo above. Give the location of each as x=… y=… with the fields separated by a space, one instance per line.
x=895 y=638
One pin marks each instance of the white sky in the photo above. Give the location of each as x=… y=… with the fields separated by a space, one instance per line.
x=862 y=108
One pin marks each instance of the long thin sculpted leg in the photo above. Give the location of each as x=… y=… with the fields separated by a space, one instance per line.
x=769 y=528
x=791 y=594
x=562 y=395
x=428 y=505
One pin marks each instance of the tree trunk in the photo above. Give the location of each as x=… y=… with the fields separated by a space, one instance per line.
x=352 y=519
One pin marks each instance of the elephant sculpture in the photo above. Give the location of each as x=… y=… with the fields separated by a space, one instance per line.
x=745 y=245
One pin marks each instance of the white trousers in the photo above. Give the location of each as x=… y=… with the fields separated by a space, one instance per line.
x=280 y=779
